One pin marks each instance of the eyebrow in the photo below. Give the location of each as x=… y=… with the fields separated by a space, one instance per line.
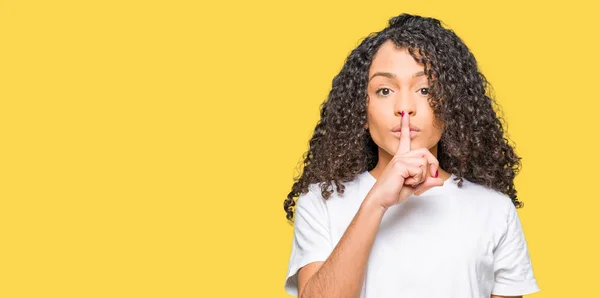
x=390 y=75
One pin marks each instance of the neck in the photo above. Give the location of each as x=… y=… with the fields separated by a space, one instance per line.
x=385 y=158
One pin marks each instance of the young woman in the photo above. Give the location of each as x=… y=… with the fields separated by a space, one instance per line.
x=408 y=188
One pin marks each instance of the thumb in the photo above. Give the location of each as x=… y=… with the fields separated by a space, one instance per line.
x=427 y=184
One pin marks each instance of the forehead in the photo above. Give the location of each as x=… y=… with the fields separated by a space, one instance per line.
x=393 y=60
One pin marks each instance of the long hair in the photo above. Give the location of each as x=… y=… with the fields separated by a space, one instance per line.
x=472 y=145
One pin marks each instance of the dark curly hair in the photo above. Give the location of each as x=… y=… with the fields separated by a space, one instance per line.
x=472 y=146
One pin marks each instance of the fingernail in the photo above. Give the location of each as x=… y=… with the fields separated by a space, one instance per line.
x=402 y=113
x=436 y=173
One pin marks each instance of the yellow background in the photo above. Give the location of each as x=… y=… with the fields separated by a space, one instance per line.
x=147 y=146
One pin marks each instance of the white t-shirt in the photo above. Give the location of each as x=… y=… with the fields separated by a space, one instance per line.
x=448 y=242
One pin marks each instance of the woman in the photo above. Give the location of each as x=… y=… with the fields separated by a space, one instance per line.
x=408 y=185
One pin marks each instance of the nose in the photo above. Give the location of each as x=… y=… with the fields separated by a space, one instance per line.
x=405 y=102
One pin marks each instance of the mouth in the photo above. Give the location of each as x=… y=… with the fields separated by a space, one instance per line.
x=413 y=133
x=398 y=128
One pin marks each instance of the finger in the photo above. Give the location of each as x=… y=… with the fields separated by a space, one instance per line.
x=404 y=144
x=417 y=176
x=434 y=169
x=416 y=170
x=428 y=184
x=433 y=163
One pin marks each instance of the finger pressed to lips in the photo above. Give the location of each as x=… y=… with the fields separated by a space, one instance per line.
x=413 y=133
x=404 y=144
x=431 y=162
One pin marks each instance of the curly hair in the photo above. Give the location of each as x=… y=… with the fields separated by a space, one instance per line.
x=472 y=145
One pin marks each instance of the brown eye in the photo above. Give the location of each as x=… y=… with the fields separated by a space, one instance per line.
x=383 y=91
x=424 y=91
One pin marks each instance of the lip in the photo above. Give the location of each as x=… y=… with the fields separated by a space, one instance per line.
x=398 y=128
x=413 y=133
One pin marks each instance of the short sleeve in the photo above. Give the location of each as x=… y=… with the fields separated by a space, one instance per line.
x=311 y=240
x=513 y=273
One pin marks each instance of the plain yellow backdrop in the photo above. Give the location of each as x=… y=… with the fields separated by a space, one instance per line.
x=147 y=146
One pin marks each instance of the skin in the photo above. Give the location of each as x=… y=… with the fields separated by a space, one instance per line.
x=396 y=84
x=406 y=166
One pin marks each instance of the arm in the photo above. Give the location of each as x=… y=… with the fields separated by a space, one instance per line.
x=342 y=274
x=513 y=273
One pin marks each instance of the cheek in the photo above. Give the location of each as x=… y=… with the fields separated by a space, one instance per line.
x=438 y=126
x=372 y=117
x=377 y=126
x=374 y=120
x=436 y=131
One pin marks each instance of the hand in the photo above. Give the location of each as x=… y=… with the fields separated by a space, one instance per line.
x=409 y=172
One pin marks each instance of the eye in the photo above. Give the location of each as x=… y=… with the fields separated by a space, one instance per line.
x=383 y=91
x=424 y=91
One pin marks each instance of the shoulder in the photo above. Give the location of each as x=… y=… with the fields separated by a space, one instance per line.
x=314 y=198
x=485 y=198
x=311 y=199
x=487 y=209
x=315 y=190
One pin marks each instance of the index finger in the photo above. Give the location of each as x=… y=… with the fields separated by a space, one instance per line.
x=404 y=144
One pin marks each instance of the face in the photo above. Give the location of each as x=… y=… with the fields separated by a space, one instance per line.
x=397 y=83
